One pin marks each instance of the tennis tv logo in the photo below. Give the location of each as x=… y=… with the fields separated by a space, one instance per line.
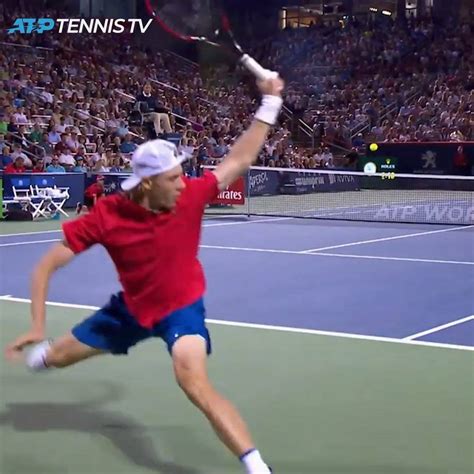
x=27 y=26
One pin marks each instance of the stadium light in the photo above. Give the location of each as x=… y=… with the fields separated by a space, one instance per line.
x=373 y=9
x=386 y=12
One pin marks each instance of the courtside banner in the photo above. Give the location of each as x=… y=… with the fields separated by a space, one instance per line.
x=263 y=183
x=303 y=183
x=234 y=194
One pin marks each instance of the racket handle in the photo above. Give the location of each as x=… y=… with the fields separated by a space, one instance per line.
x=255 y=68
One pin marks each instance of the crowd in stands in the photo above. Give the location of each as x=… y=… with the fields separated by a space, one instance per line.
x=84 y=102
x=408 y=81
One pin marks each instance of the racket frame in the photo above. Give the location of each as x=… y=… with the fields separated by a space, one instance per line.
x=243 y=58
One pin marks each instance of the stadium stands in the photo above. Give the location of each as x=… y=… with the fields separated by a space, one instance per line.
x=74 y=97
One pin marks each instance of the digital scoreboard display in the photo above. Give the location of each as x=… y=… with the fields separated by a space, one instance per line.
x=382 y=164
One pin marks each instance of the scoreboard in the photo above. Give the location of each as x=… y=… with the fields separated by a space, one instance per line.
x=382 y=164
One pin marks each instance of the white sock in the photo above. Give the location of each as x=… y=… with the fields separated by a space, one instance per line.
x=36 y=357
x=254 y=463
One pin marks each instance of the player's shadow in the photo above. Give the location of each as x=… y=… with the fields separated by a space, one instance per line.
x=125 y=433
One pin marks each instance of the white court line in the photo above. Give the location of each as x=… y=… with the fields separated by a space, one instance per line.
x=250 y=249
x=323 y=254
x=278 y=328
x=31 y=233
x=396 y=259
x=249 y=222
x=291 y=252
x=384 y=239
x=50 y=303
x=439 y=328
x=15 y=244
x=218 y=224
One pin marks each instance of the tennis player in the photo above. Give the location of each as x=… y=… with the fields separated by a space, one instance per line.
x=152 y=233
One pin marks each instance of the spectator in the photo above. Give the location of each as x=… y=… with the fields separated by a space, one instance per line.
x=18 y=151
x=36 y=134
x=62 y=145
x=152 y=111
x=45 y=145
x=80 y=166
x=3 y=125
x=67 y=160
x=2 y=142
x=116 y=165
x=461 y=163
x=17 y=166
x=53 y=136
x=72 y=141
x=55 y=167
x=100 y=166
x=128 y=146
x=19 y=116
x=5 y=157
x=39 y=166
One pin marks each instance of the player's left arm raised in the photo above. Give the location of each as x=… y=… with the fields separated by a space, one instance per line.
x=246 y=149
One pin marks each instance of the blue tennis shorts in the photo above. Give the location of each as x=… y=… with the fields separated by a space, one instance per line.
x=113 y=329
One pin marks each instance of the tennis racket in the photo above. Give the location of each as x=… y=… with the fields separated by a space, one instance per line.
x=203 y=21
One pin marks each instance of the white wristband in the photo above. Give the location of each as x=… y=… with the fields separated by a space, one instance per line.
x=269 y=109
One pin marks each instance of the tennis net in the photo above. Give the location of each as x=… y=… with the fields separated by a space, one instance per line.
x=357 y=196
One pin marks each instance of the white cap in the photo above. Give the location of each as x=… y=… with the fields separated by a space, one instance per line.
x=152 y=158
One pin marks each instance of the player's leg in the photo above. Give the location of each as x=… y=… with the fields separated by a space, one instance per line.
x=189 y=344
x=61 y=352
x=190 y=366
x=110 y=330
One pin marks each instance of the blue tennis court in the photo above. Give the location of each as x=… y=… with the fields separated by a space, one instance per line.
x=392 y=281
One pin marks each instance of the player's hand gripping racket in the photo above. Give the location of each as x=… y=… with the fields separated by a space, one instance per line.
x=202 y=21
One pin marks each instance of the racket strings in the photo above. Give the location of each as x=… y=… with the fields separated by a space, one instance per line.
x=194 y=18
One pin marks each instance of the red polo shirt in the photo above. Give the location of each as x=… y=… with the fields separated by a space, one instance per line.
x=11 y=169
x=156 y=255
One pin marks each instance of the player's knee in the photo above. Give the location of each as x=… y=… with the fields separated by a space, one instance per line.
x=197 y=388
x=198 y=393
x=189 y=361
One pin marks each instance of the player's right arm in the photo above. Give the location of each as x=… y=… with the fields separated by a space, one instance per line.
x=245 y=151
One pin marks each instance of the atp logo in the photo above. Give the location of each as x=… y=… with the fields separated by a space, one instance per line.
x=31 y=25
x=429 y=159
